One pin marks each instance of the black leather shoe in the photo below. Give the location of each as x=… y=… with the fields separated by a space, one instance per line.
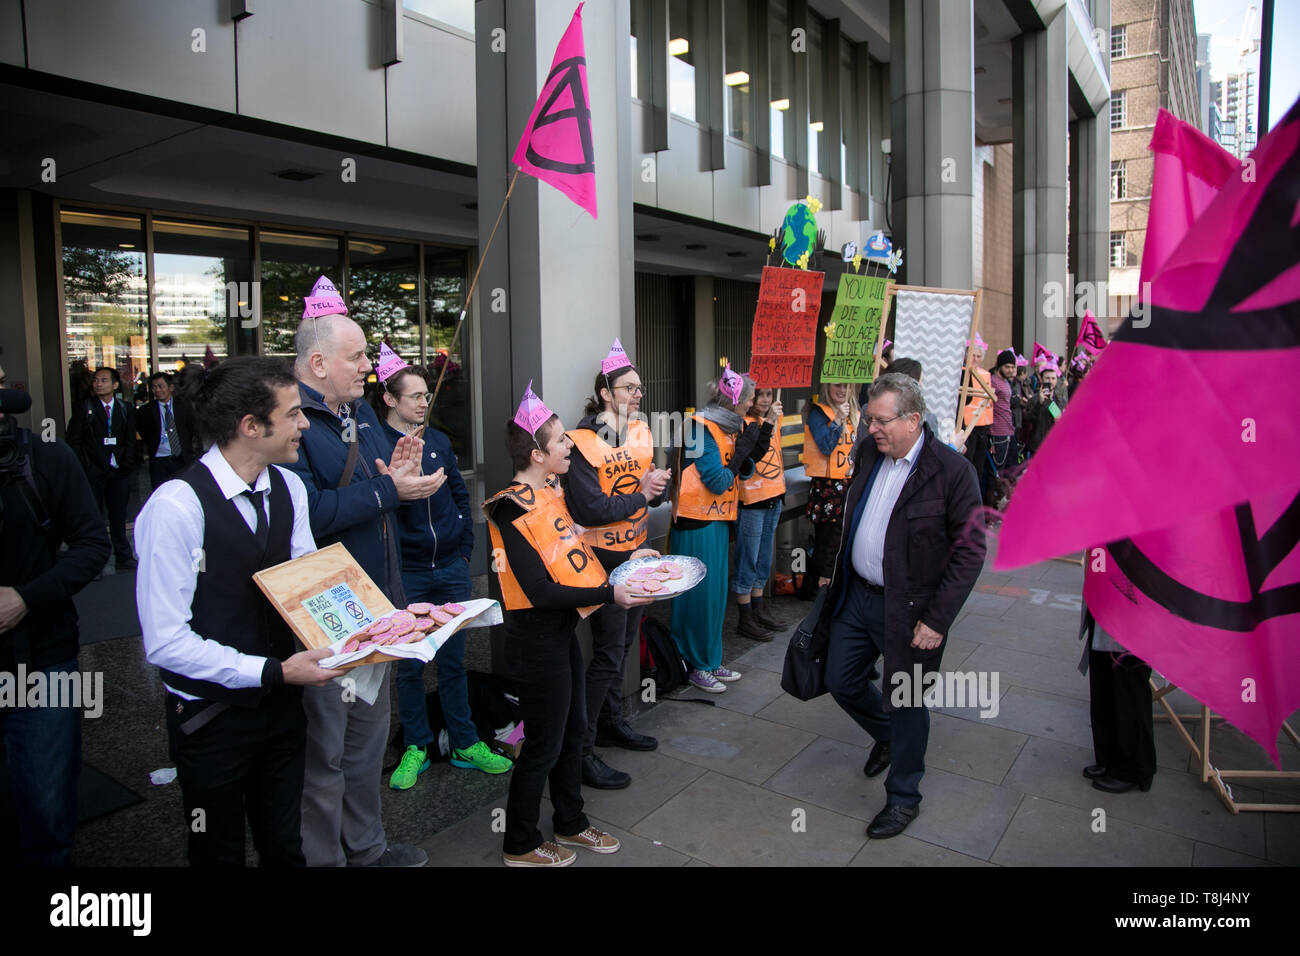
x=877 y=761
x=1114 y=785
x=596 y=773
x=1094 y=771
x=621 y=735
x=891 y=821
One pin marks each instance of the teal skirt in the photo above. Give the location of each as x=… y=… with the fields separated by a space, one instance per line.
x=698 y=614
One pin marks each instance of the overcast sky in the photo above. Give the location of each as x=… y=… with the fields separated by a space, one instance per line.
x=1222 y=19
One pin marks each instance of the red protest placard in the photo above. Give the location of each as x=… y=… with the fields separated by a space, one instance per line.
x=784 y=342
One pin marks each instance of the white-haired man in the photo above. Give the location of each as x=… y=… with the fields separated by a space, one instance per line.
x=353 y=496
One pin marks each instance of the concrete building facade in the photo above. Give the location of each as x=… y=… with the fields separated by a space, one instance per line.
x=179 y=179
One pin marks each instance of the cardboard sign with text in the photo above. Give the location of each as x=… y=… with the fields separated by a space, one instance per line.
x=784 y=344
x=854 y=329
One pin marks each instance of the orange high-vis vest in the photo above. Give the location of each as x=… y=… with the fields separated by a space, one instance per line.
x=619 y=470
x=694 y=500
x=986 y=415
x=548 y=528
x=768 y=479
x=834 y=465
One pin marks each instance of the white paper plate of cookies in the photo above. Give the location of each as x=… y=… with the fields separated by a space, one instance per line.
x=661 y=578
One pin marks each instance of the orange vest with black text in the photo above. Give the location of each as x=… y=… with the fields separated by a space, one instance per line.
x=548 y=528
x=694 y=499
x=768 y=479
x=986 y=414
x=619 y=470
x=834 y=465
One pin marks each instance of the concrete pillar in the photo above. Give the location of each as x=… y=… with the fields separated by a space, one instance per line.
x=706 y=357
x=1089 y=218
x=566 y=279
x=1040 y=119
x=932 y=128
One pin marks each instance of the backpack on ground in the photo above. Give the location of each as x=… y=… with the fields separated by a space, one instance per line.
x=661 y=661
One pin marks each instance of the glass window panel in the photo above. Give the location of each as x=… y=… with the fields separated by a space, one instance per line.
x=105 y=299
x=849 y=115
x=781 y=67
x=203 y=293
x=291 y=264
x=382 y=295
x=445 y=271
x=682 y=51
x=456 y=13
x=737 y=69
x=816 y=92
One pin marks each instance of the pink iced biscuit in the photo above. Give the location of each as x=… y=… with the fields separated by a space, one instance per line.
x=403 y=617
x=416 y=637
x=401 y=629
x=420 y=608
x=440 y=616
x=380 y=626
x=426 y=624
x=453 y=608
x=350 y=645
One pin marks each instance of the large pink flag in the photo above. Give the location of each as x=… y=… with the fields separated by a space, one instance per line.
x=1193 y=444
x=556 y=146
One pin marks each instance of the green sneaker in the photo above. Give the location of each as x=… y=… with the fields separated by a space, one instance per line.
x=414 y=762
x=480 y=757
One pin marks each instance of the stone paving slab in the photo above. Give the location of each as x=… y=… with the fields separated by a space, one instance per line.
x=1177 y=802
x=769 y=656
x=821 y=716
x=656 y=779
x=1205 y=854
x=755 y=690
x=1051 y=616
x=727 y=822
x=1053 y=643
x=904 y=850
x=965 y=747
x=1028 y=670
x=963 y=814
x=731 y=743
x=828 y=773
x=1044 y=833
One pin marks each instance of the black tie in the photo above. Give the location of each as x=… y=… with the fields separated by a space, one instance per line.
x=263 y=530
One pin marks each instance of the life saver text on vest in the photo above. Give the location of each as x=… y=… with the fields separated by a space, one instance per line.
x=768 y=480
x=834 y=465
x=549 y=530
x=619 y=470
x=694 y=500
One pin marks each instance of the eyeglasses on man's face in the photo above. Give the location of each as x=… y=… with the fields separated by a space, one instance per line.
x=632 y=390
x=870 y=420
x=418 y=397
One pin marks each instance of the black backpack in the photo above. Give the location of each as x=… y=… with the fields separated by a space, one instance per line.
x=661 y=661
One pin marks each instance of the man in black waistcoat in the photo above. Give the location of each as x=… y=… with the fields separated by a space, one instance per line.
x=235 y=720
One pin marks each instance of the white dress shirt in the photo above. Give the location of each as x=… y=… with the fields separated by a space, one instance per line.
x=169 y=541
x=869 y=541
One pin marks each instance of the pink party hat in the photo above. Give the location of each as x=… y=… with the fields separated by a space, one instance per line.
x=731 y=384
x=325 y=299
x=1021 y=361
x=616 y=359
x=885 y=347
x=532 y=413
x=389 y=363
x=979 y=342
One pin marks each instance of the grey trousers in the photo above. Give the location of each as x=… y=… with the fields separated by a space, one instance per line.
x=341 y=821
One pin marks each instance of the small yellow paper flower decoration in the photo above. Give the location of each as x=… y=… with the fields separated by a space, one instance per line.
x=802 y=261
x=830 y=329
x=857 y=262
x=814 y=205
x=771 y=244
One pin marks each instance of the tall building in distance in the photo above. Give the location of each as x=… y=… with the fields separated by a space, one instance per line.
x=1154 y=63
x=1211 y=117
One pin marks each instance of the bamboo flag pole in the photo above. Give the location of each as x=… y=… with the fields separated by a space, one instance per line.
x=469 y=295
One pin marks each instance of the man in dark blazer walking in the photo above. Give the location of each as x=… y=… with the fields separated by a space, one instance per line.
x=906 y=565
x=102 y=433
x=167 y=430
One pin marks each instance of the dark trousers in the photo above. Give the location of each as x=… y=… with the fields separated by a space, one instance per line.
x=164 y=469
x=247 y=760
x=548 y=673
x=113 y=488
x=614 y=631
x=43 y=749
x=1123 y=730
x=857 y=638
x=977 y=446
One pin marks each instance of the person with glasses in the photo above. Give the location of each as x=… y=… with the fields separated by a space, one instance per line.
x=610 y=487
x=437 y=543
x=906 y=565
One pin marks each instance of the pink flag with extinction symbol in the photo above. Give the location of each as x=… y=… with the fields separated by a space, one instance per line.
x=1201 y=573
x=556 y=146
